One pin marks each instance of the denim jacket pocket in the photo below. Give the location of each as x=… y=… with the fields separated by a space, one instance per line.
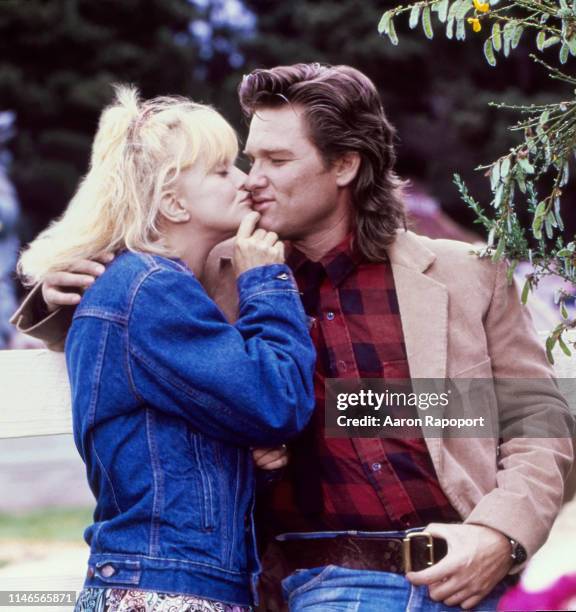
x=206 y=486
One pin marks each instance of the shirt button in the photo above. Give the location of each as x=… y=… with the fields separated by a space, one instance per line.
x=342 y=366
x=107 y=571
x=330 y=315
x=376 y=467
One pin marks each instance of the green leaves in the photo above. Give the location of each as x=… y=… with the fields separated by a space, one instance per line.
x=427 y=23
x=526 y=291
x=386 y=26
x=414 y=16
x=442 y=9
x=496 y=37
x=489 y=52
x=541 y=162
x=526 y=166
x=538 y=221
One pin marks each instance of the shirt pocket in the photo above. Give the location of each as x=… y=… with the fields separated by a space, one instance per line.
x=397 y=369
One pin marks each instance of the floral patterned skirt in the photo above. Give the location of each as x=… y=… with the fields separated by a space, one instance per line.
x=130 y=600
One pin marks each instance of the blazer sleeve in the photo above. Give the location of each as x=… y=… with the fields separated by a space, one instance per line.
x=532 y=468
x=248 y=383
x=32 y=318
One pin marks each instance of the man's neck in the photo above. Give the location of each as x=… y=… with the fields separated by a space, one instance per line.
x=316 y=245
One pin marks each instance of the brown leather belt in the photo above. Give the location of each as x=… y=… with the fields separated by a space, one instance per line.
x=416 y=551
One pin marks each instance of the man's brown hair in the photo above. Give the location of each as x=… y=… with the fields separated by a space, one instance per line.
x=343 y=112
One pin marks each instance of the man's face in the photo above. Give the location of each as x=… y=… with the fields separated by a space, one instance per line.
x=291 y=187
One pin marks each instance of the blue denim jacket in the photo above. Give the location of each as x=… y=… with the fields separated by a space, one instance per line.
x=167 y=397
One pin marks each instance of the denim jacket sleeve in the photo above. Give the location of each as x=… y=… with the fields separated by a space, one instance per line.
x=248 y=383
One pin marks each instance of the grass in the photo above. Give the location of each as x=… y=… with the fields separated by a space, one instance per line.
x=59 y=524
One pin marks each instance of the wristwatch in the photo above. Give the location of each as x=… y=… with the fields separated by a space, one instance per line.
x=518 y=552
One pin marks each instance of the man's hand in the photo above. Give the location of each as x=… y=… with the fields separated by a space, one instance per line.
x=56 y=288
x=270 y=458
x=478 y=558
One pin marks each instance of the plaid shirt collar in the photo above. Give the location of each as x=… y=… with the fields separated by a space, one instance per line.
x=338 y=264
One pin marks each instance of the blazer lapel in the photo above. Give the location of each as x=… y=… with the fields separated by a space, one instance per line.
x=423 y=306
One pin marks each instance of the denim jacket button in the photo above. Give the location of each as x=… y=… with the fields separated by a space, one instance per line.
x=90 y=572
x=107 y=571
x=283 y=276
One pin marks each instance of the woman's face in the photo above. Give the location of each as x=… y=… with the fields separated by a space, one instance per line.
x=216 y=200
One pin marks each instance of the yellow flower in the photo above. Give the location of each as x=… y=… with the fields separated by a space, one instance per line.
x=481 y=7
x=475 y=23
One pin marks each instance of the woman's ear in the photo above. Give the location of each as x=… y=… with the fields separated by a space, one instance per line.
x=346 y=168
x=173 y=208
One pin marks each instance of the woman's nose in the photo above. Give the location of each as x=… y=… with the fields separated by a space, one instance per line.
x=240 y=178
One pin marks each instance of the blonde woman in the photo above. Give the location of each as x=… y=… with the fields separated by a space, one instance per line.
x=167 y=396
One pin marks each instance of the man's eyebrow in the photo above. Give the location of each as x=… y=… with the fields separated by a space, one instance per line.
x=268 y=152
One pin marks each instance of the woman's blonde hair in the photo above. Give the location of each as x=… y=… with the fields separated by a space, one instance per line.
x=138 y=152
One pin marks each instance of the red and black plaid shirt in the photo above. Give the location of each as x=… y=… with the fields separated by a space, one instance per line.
x=359 y=483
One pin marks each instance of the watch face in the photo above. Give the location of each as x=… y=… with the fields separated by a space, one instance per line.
x=518 y=553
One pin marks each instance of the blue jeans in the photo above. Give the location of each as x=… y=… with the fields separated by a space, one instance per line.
x=338 y=589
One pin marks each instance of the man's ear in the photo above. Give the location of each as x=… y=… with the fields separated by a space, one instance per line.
x=173 y=209
x=347 y=168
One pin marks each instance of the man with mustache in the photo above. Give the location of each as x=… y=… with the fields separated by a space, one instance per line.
x=388 y=304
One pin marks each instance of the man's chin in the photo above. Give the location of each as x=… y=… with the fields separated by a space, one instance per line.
x=266 y=222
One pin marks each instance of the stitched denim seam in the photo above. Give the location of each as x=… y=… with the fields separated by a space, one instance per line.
x=94 y=392
x=99 y=313
x=312 y=582
x=158 y=480
x=128 y=349
x=106 y=475
x=208 y=519
x=250 y=296
x=236 y=504
x=199 y=397
x=183 y=561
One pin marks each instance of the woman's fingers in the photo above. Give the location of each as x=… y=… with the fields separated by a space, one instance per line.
x=270 y=458
x=248 y=225
x=270 y=239
x=260 y=248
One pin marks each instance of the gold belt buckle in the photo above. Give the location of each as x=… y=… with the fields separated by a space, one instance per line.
x=407 y=550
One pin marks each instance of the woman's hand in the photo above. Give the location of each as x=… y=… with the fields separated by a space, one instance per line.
x=270 y=458
x=255 y=247
x=65 y=288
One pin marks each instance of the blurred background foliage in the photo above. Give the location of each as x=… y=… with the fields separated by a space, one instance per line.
x=58 y=58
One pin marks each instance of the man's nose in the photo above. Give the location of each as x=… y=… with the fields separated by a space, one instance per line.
x=255 y=179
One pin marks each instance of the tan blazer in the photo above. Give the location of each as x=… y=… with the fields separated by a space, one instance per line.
x=460 y=319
